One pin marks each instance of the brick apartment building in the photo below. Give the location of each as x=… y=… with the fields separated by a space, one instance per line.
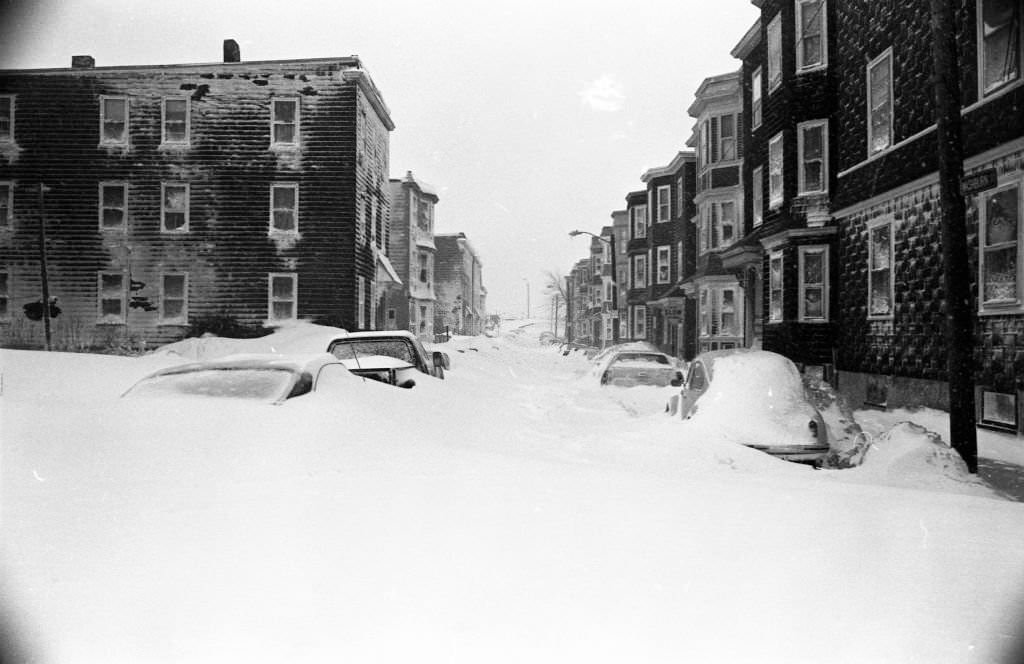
x=254 y=191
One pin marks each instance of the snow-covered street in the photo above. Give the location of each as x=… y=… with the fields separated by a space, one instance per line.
x=515 y=511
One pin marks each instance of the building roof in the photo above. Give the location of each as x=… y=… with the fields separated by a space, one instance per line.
x=425 y=189
x=673 y=166
x=723 y=87
x=750 y=40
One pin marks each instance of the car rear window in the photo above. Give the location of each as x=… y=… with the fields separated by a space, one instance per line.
x=348 y=349
x=256 y=384
x=642 y=357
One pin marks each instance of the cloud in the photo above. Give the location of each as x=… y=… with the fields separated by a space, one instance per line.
x=604 y=94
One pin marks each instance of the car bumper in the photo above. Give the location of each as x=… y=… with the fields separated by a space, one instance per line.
x=797 y=453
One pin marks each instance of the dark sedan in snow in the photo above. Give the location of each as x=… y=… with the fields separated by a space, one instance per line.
x=629 y=365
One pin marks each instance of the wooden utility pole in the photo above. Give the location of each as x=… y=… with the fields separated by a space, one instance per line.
x=42 y=264
x=957 y=274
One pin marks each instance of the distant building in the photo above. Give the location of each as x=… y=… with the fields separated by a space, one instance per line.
x=412 y=252
x=461 y=306
x=172 y=194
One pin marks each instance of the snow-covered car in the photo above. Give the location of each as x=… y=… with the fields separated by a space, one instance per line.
x=756 y=398
x=627 y=365
x=265 y=378
x=395 y=357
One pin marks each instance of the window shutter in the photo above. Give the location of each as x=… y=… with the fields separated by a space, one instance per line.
x=739 y=135
x=714 y=139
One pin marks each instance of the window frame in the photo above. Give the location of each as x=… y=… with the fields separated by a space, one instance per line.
x=639 y=265
x=802 y=159
x=8 y=136
x=773 y=33
x=639 y=230
x=1001 y=306
x=274 y=122
x=639 y=321
x=776 y=198
x=274 y=230
x=873 y=225
x=184 y=228
x=801 y=67
x=181 y=319
x=103 y=120
x=164 y=140
x=886 y=57
x=664 y=260
x=123 y=226
x=665 y=204
x=111 y=319
x=802 y=284
x=5 y=294
x=7 y=213
x=711 y=302
x=993 y=89
x=772 y=319
x=757 y=196
x=272 y=299
x=756 y=97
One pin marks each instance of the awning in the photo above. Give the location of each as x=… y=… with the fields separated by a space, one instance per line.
x=386 y=272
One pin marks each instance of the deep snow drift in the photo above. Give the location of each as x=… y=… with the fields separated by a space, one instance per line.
x=515 y=511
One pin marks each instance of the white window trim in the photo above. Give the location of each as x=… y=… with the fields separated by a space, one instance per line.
x=884 y=220
x=777 y=255
x=757 y=196
x=277 y=231
x=636 y=261
x=124 y=221
x=361 y=303
x=996 y=308
x=665 y=249
x=639 y=231
x=9 y=100
x=163 y=209
x=756 y=97
x=102 y=319
x=127 y=120
x=801 y=161
x=667 y=191
x=294 y=298
x=886 y=55
x=712 y=314
x=163 y=120
x=997 y=89
x=776 y=201
x=800 y=67
x=825 y=285
x=273 y=122
x=183 y=318
x=775 y=25
x=8 y=221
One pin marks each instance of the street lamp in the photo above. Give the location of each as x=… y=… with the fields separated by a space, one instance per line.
x=615 y=285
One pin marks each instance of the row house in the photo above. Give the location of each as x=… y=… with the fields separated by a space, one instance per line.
x=460 y=306
x=618 y=317
x=412 y=253
x=252 y=191
x=581 y=293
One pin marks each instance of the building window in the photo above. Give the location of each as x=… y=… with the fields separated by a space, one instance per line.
x=755 y=98
x=664 y=203
x=880 y=103
x=775 y=52
x=1000 y=247
x=639 y=221
x=361 y=303
x=775 y=287
x=5 y=295
x=720 y=312
x=113 y=205
x=640 y=322
x=423 y=319
x=6 y=204
x=284 y=121
x=998 y=410
x=880 y=258
x=757 y=195
x=424 y=265
x=174 y=208
x=718 y=138
x=284 y=208
x=113 y=120
x=664 y=264
x=176 y=120
x=640 y=271
x=813 y=285
x=283 y=300
x=718 y=225
x=174 y=297
x=113 y=296
x=999 y=33
x=775 y=191
x=811 y=35
x=812 y=139
x=6 y=118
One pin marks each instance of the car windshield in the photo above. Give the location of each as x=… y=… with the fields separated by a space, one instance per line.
x=347 y=349
x=642 y=357
x=241 y=383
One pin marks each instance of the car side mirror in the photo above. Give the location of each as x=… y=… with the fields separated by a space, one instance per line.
x=679 y=381
x=407 y=383
x=442 y=360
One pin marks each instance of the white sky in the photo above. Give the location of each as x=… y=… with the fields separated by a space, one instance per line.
x=530 y=118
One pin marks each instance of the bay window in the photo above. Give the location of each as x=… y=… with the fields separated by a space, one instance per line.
x=775 y=287
x=813 y=284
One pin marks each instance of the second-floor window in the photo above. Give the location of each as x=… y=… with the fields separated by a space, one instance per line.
x=6 y=204
x=664 y=264
x=664 y=203
x=775 y=181
x=284 y=121
x=424 y=265
x=175 y=120
x=999 y=35
x=774 y=37
x=757 y=195
x=6 y=118
x=810 y=35
x=284 y=208
x=719 y=138
x=639 y=221
x=719 y=225
x=755 y=98
x=640 y=271
x=113 y=205
x=113 y=120
x=880 y=103
x=813 y=153
x=1000 y=246
x=174 y=208
x=813 y=284
x=880 y=257
x=775 y=287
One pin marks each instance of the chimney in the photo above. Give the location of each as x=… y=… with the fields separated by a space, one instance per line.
x=231 y=51
x=82 y=62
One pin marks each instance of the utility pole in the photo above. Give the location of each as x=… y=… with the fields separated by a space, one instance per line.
x=42 y=264
x=956 y=276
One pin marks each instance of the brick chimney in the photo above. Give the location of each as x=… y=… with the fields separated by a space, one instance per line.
x=82 y=62
x=231 y=51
